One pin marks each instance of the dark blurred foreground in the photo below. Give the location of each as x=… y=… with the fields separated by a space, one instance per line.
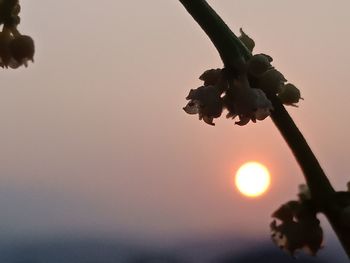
x=95 y=251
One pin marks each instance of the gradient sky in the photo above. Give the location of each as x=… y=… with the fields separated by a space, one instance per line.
x=94 y=139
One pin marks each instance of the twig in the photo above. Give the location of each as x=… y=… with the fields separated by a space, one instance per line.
x=231 y=51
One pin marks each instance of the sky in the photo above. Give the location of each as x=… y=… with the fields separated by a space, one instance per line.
x=94 y=139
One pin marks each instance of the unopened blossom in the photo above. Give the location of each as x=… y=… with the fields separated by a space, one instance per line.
x=271 y=81
x=22 y=49
x=289 y=95
x=245 y=102
x=259 y=64
x=287 y=211
x=211 y=76
x=206 y=102
x=246 y=40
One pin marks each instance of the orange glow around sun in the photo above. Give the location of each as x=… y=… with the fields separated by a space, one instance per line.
x=252 y=179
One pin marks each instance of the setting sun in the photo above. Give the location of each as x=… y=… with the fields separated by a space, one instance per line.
x=252 y=179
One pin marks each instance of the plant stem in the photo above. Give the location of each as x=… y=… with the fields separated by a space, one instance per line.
x=219 y=33
x=232 y=50
x=318 y=183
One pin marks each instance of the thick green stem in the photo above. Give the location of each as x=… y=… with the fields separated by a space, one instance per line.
x=232 y=50
x=219 y=33
x=319 y=185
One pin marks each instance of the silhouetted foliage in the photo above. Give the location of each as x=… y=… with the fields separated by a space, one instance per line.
x=250 y=88
x=15 y=49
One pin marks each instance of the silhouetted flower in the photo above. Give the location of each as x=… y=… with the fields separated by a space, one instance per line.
x=243 y=91
x=245 y=102
x=22 y=49
x=259 y=64
x=211 y=76
x=271 y=81
x=15 y=49
x=289 y=95
x=206 y=102
x=299 y=227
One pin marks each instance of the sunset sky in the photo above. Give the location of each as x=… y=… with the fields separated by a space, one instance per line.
x=94 y=139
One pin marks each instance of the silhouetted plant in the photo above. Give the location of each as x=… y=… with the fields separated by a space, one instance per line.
x=250 y=88
x=15 y=49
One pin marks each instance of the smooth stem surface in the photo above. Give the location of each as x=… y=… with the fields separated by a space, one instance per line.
x=232 y=50
x=219 y=33
x=319 y=185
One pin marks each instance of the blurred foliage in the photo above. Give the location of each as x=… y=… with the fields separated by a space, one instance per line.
x=15 y=49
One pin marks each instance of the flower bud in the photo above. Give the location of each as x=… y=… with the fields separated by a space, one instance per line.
x=271 y=81
x=246 y=40
x=289 y=95
x=258 y=65
x=22 y=49
x=211 y=76
x=206 y=102
x=246 y=102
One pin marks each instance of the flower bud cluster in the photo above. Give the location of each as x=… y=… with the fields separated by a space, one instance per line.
x=15 y=49
x=206 y=102
x=264 y=76
x=243 y=93
x=299 y=227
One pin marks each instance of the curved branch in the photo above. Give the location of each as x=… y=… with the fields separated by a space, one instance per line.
x=232 y=50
